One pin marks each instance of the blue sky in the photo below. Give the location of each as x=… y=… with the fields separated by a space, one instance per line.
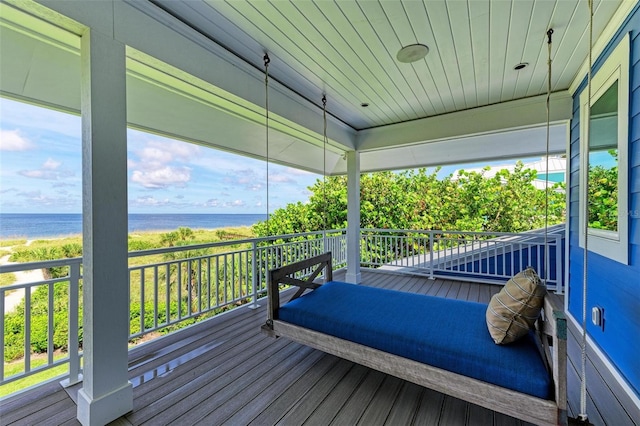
x=41 y=171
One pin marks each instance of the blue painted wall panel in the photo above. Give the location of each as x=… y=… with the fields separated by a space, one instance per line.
x=611 y=285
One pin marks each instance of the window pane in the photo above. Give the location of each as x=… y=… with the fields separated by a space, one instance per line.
x=603 y=161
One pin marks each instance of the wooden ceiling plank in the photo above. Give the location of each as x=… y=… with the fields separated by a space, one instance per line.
x=343 y=22
x=535 y=50
x=575 y=42
x=321 y=38
x=480 y=46
x=405 y=35
x=461 y=30
x=420 y=23
x=441 y=26
x=268 y=32
x=329 y=40
x=519 y=24
x=499 y=25
x=369 y=20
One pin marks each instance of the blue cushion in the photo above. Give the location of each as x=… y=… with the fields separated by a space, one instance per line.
x=448 y=334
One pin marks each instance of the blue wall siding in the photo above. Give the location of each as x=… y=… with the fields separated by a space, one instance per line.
x=611 y=285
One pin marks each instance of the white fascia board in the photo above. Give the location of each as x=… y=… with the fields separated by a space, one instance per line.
x=518 y=114
x=505 y=145
x=150 y=30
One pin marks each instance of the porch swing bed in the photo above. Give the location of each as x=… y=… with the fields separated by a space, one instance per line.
x=438 y=343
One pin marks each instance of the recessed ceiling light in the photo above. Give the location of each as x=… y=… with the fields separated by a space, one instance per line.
x=412 y=53
x=521 y=65
x=364 y=104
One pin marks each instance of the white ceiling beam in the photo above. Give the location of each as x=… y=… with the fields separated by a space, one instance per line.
x=150 y=30
x=505 y=145
x=518 y=114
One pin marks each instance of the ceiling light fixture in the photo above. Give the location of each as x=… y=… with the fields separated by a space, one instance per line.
x=412 y=53
x=521 y=65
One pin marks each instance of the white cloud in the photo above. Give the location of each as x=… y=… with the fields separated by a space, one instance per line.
x=280 y=178
x=12 y=140
x=48 y=171
x=156 y=164
x=38 y=199
x=162 y=178
x=148 y=201
x=157 y=153
x=51 y=164
x=235 y=203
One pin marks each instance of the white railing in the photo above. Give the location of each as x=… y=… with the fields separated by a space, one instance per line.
x=481 y=256
x=167 y=287
x=37 y=329
x=197 y=280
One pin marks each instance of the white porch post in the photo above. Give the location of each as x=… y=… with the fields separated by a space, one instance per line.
x=106 y=393
x=353 y=218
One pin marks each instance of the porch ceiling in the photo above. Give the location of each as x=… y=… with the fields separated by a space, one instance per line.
x=438 y=110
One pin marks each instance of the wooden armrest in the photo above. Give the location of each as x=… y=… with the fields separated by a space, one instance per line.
x=285 y=275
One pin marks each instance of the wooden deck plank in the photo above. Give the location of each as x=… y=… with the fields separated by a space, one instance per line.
x=430 y=409
x=154 y=397
x=64 y=407
x=404 y=408
x=18 y=411
x=479 y=416
x=379 y=407
x=333 y=403
x=249 y=385
x=444 y=289
x=454 y=412
x=147 y=359
x=435 y=288
x=474 y=292
x=197 y=398
x=258 y=403
x=299 y=413
x=181 y=387
x=279 y=404
x=454 y=288
x=357 y=404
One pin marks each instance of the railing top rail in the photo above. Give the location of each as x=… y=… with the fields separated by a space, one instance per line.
x=163 y=250
x=440 y=231
x=16 y=267
x=38 y=283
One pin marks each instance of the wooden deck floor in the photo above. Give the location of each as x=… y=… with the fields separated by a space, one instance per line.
x=226 y=372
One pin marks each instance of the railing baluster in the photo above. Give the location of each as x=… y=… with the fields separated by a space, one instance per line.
x=72 y=342
x=142 y=301
x=254 y=274
x=209 y=283
x=50 y=324
x=200 y=307
x=168 y=293
x=179 y=288
x=27 y=329
x=155 y=297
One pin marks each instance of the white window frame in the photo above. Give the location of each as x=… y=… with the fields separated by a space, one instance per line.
x=611 y=244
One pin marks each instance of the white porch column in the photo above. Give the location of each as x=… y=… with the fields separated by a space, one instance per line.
x=106 y=393
x=353 y=218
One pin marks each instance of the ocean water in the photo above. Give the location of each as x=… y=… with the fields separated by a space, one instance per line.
x=14 y=225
